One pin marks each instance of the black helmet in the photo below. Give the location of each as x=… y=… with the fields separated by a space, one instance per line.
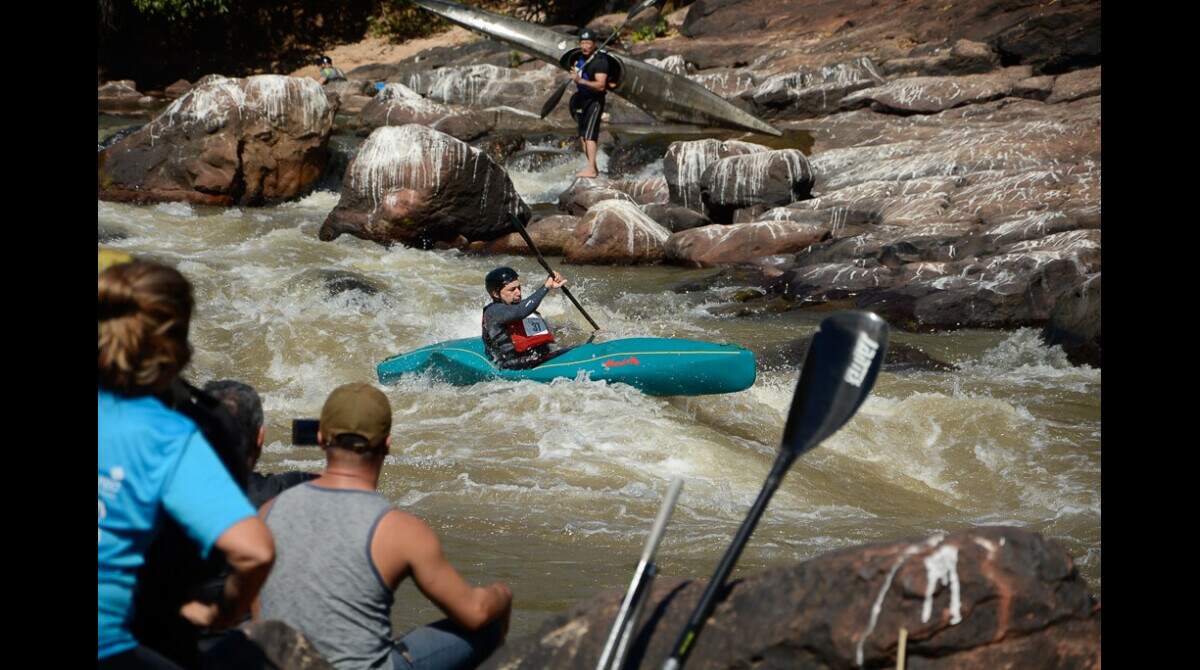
x=587 y=34
x=323 y=60
x=499 y=278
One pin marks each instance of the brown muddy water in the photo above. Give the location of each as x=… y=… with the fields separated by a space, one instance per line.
x=553 y=488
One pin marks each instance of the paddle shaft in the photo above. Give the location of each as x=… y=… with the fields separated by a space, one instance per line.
x=683 y=646
x=631 y=607
x=541 y=259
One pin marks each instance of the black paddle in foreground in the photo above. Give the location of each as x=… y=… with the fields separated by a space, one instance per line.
x=617 y=647
x=843 y=361
x=541 y=259
x=557 y=95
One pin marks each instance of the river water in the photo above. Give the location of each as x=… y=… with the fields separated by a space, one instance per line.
x=552 y=488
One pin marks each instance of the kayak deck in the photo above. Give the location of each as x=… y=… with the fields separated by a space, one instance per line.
x=656 y=366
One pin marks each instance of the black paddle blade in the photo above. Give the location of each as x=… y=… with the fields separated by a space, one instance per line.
x=552 y=101
x=843 y=361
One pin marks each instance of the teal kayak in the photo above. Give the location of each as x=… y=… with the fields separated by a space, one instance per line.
x=654 y=365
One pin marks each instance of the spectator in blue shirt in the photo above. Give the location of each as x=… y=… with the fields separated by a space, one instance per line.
x=153 y=461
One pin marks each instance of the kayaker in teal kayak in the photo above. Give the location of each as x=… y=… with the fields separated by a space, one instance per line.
x=514 y=334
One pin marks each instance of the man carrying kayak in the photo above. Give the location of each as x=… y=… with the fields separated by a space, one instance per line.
x=328 y=71
x=514 y=334
x=590 y=75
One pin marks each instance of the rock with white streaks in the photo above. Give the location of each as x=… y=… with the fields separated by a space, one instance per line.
x=415 y=185
x=686 y=162
x=988 y=597
x=741 y=243
x=615 y=232
x=766 y=178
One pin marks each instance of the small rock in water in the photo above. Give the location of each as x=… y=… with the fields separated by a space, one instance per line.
x=340 y=281
x=104 y=234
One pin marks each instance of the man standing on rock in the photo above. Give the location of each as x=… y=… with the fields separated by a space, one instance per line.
x=343 y=550
x=590 y=74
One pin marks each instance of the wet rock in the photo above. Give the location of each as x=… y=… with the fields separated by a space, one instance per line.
x=820 y=283
x=614 y=232
x=810 y=92
x=983 y=597
x=106 y=234
x=265 y=644
x=118 y=136
x=964 y=57
x=418 y=186
x=341 y=281
x=649 y=191
x=1002 y=291
x=119 y=97
x=685 y=164
x=550 y=234
x=247 y=141
x=740 y=243
x=767 y=178
x=1075 y=85
x=342 y=149
x=674 y=64
x=674 y=217
x=584 y=193
x=926 y=95
x=1075 y=323
x=176 y=90
x=398 y=105
x=900 y=357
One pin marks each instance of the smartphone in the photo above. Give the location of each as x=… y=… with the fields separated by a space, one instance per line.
x=304 y=432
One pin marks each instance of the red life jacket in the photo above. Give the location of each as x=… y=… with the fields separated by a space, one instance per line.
x=529 y=332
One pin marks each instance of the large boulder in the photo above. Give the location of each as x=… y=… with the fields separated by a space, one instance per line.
x=616 y=232
x=248 y=141
x=767 y=179
x=685 y=163
x=741 y=242
x=989 y=597
x=415 y=185
x=398 y=105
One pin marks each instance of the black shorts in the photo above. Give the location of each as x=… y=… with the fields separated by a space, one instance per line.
x=586 y=111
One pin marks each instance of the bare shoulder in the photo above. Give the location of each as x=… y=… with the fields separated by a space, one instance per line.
x=400 y=527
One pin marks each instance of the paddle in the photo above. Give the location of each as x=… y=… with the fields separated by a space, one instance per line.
x=529 y=240
x=617 y=647
x=557 y=95
x=843 y=361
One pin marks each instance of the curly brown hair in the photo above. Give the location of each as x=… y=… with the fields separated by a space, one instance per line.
x=143 y=312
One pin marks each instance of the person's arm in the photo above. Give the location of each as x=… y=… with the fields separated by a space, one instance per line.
x=203 y=498
x=499 y=312
x=250 y=552
x=404 y=544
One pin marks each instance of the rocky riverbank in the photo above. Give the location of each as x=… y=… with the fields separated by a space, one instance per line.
x=952 y=180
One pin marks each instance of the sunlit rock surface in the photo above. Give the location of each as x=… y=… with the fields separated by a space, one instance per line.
x=986 y=597
x=246 y=141
x=417 y=186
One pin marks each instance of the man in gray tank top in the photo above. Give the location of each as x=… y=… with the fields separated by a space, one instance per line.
x=342 y=550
